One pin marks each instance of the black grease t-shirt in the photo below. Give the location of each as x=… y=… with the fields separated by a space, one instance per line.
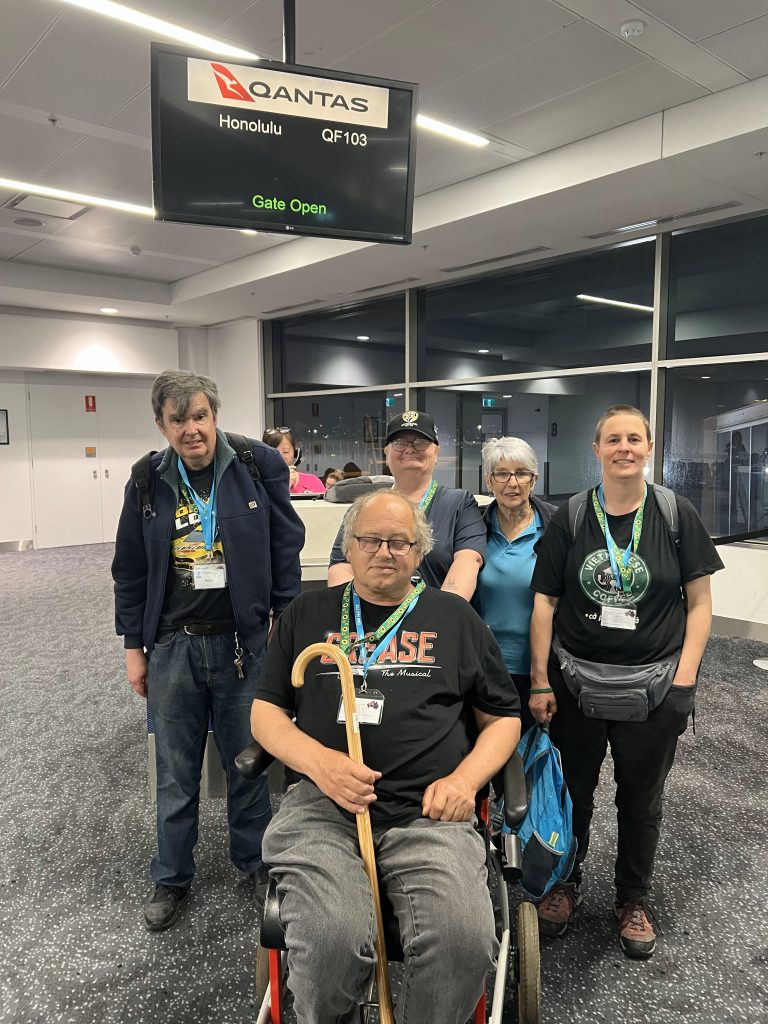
x=578 y=571
x=442 y=662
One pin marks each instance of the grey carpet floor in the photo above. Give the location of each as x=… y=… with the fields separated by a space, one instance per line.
x=77 y=833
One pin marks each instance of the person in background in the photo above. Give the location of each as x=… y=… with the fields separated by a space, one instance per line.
x=300 y=483
x=411 y=449
x=331 y=476
x=515 y=520
x=618 y=589
x=351 y=470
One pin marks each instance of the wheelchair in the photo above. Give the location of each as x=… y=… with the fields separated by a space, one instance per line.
x=503 y=855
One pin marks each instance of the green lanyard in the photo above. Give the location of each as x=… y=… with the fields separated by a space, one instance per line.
x=384 y=628
x=427 y=497
x=619 y=560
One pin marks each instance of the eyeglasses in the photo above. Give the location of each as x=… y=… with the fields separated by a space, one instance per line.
x=419 y=445
x=501 y=476
x=370 y=545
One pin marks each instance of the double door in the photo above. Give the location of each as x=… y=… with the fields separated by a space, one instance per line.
x=84 y=439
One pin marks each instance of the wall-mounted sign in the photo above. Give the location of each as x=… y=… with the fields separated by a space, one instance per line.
x=4 y=438
x=280 y=147
x=90 y=453
x=90 y=403
x=489 y=403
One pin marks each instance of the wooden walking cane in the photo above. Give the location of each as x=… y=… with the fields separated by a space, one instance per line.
x=364 y=833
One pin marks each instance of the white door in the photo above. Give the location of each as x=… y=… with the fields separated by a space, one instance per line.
x=66 y=480
x=126 y=432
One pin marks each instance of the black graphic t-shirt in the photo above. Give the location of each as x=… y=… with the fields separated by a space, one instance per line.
x=442 y=662
x=183 y=605
x=579 y=573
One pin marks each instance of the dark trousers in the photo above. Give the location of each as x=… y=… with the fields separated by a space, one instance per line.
x=643 y=753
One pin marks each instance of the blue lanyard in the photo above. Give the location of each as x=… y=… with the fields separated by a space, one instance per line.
x=206 y=510
x=621 y=573
x=365 y=659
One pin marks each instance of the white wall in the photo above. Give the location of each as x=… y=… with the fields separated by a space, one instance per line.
x=731 y=599
x=235 y=363
x=16 y=523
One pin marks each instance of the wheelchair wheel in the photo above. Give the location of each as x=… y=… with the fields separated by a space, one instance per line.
x=262 y=973
x=528 y=965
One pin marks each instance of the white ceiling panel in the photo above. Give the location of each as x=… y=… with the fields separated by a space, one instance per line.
x=12 y=244
x=199 y=15
x=632 y=94
x=220 y=245
x=440 y=162
x=449 y=39
x=698 y=19
x=28 y=148
x=135 y=116
x=107 y=169
x=22 y=26
x=106 y=226
x=733 y=163
x=84 y=67
x=744 y=48
x=551 y=67
x=78 y=256
x=259 y=28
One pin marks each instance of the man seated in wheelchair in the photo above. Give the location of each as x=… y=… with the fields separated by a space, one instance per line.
x=438 y=719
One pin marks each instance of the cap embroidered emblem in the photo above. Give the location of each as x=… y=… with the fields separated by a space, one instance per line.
x=410 y=417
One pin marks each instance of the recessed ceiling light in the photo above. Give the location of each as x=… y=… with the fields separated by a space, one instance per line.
x=75 y=197
x=110 y=310
x=615 y=302
x=160 y=28
x=506 y=396
x=458 y=134
x=363 y=337
x=706 y=378
x=248 y=231
x=398 y=394
x=483 y=351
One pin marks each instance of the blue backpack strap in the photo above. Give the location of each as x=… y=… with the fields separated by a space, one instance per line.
x=577 y=507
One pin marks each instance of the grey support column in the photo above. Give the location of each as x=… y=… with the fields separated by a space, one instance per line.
x=193 y=349
x=661 y=321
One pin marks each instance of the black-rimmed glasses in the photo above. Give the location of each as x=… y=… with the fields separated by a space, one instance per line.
x=501 y=476
x=420 y=444
x=370 y=545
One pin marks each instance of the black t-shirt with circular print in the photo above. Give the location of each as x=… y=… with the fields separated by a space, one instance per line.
x=578 y=571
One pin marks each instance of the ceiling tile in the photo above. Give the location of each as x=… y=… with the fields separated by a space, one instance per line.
x=220 y=245
x=28 y=148
x=698 y=19
x=95 y=259
x=104 y=168
x=12 y=244
x=744 y=48
x=440 y=162
x=733 y=163
x=549 y=68
x=24 y=21
x=628 y=96
x=135 y=116
x=201 y=15
x=84 y=67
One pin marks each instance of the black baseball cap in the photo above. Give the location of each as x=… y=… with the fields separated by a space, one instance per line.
x=416 y=422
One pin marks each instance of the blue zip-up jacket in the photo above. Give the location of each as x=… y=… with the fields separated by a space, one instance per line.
x=261 y=533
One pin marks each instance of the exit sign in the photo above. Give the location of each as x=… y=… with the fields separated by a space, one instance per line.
x=489 y=403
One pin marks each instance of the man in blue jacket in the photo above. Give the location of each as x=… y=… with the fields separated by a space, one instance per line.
x=197 y=574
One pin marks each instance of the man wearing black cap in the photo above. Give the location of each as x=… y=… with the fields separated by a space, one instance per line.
x=411 y=448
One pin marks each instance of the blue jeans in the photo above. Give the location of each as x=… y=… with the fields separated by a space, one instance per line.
x=435 y=877
x=191 y=680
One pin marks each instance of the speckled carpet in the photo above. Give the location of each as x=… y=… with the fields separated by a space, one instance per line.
x=77 y=835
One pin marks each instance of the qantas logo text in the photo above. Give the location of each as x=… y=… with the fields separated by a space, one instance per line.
x=231 y=89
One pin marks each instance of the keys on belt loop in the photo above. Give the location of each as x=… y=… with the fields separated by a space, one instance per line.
x=239 y=658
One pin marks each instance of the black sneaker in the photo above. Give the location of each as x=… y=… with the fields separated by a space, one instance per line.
x=260 y=882
x=163 y=909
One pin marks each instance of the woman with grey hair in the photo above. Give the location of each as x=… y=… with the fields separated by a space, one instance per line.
x=515 y=521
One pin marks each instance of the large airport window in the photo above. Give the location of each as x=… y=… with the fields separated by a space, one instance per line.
x=595 y=309
x=716 y=443
x=361 y=346
x=717 y=293
x=335 y=430
x=555 y=415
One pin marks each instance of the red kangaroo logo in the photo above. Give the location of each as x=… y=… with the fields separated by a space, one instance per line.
x=231 y=89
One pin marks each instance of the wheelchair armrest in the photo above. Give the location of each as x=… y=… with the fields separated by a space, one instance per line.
x=515 y=793
x=253 y=761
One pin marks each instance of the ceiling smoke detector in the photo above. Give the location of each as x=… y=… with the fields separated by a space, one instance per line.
x=632 y=29
x=29 y=222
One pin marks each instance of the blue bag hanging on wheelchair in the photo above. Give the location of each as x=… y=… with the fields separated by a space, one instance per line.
x=546 y=832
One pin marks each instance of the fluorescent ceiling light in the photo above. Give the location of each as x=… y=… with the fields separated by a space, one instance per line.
x=247 y=231
x=161 y=28
x=363 y=337
x=483 y=351
x=432 y=125
x=110 y=310
x=615 y=302
x=75 y=197
x=506 y=396
x=637 y=227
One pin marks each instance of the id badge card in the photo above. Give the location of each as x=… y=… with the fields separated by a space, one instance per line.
x=369 y=707
x=612 y=617
x=209 y=576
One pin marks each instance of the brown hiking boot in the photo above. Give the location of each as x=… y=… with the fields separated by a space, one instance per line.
x=636 y=935
x=557 y=908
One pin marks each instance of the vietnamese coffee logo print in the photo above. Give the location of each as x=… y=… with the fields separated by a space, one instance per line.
x=597 y=580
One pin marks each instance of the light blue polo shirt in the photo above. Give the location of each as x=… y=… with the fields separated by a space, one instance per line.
x=503 y=598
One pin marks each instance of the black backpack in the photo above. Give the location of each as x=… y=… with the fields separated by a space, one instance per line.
x=141 y=470
x=665 y=499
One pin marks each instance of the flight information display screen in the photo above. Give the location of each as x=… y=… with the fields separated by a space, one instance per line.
x=278 y=147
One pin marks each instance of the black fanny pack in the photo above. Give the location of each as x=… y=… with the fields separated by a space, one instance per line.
x=619 y=693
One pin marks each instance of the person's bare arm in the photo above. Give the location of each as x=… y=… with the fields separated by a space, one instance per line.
x=452 y=798
x=339 y=573
x=697 y=625
x=543 y=705
x=462 y=575
x=348 y=784
x=136 y=669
